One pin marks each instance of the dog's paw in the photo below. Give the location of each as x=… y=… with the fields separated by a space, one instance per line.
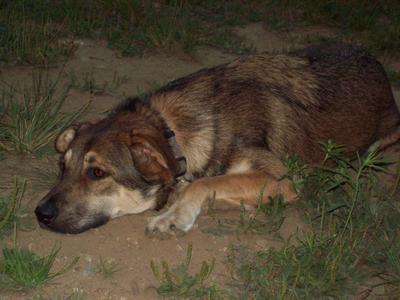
x=171 y=223
x=165 y=235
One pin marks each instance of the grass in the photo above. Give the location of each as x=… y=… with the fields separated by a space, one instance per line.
x=393 y=76
x=39 y=31
x=266 y=219
x=12 y=213
x=87 y=83
x=23 y=269
x=352 y=248
x=27 y=41
x=374 y=23
x=43 y=32
x=107 y=267
x=314 y=268
x=32 y=117
x=178 y=283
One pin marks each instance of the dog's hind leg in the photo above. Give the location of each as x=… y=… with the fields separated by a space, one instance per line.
x=232 y=188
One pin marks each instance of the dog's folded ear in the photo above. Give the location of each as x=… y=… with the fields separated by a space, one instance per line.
x=152 y=159
x=64 y=139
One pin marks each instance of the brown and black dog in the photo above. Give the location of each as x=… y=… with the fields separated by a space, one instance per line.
x=220 y=132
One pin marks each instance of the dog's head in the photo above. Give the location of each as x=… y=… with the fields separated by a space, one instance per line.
x=107 y=169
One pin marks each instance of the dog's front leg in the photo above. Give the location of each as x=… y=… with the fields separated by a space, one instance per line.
x=233 y=188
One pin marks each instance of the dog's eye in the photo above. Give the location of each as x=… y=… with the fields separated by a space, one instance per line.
x=96 y=173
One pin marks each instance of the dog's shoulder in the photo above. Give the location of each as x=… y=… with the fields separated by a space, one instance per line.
x=132 y=104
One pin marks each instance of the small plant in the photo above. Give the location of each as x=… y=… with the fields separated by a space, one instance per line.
x=314 y=268
x=352 y=241
x=32 y=118
x=12 y=214
x=27 y=41
x=377 y=23
x=23 y=269
x=297 y=172
x=393 y=76
x=266 y=219
x=107 y=267
x=87 y=83
x=224 y=38
x=179 y=283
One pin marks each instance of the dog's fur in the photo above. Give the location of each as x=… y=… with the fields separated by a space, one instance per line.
x=234 y=124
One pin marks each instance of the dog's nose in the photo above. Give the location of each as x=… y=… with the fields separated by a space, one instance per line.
x=46 y=212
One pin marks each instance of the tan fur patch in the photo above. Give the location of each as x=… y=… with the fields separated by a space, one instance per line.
x=68 y=156
x=129 y=202
x=196 y=148
x=120 y=202
x=64 y=139
x=239 y=167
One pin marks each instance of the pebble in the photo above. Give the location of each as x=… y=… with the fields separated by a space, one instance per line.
x=89 y=270
x=262 y=243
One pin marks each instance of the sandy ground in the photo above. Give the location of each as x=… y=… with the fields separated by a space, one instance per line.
x=123 y=240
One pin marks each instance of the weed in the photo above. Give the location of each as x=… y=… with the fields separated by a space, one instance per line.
x=107 y=267
x=32 y=118
x=179 y=283
x=87 y=83
x=12 y=214
x=38 y=31
x=22 y=269
x=266 y=219
x=376 y=22
x=313 y=269
x=393 y=76
x=352 y=241
x=225 y=39
x=297 y=172
x=27 y=41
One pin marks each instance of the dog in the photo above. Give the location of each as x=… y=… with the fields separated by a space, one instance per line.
x=222 y=132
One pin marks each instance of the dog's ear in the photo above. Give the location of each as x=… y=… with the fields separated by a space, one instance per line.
x=64 y=139
x=151 y=159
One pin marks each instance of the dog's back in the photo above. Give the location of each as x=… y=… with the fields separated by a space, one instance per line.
x=286 y=103
x=355 y=102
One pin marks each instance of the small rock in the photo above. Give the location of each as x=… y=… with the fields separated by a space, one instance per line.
x=262 y=243
x=89 y=270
